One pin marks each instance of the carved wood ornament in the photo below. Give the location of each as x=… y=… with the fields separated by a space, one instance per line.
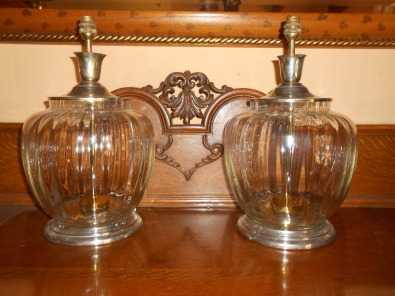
x=186 y=96
x=187 y=103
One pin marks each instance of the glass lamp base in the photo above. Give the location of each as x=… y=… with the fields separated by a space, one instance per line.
x=67 y=234
x=315 y=237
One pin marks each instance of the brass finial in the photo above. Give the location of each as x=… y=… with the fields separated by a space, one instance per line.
x=89 y=66
x=292 y=31
x=87 y=30
x=291 y=65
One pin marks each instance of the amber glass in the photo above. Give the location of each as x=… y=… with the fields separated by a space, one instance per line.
x=88 y=163
x=289 y=164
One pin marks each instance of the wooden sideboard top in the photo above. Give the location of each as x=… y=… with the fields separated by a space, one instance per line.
x=197 y=253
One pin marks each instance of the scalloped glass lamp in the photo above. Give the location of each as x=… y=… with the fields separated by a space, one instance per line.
x=87 y=159
x=290 y=160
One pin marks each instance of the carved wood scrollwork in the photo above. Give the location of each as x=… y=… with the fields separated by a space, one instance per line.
x=186 y=96
x=187 y=103
x=216 y=151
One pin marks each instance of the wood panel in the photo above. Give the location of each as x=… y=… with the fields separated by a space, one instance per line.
x=197 y=28
x=374 y=178
x=198 y=253
x=373 y=183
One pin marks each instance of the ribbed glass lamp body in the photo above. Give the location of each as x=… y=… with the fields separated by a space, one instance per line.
x=289 y=165
x=88 y=164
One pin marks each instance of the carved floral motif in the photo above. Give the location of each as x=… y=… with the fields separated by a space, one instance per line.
x=187 y=95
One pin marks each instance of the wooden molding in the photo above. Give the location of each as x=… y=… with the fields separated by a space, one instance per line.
x=197 y=28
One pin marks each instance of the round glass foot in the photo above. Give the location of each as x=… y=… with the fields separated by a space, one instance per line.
x=69 y=234
x=317 y=236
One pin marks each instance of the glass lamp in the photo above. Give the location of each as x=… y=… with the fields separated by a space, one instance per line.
x=87 y=159
x=289 y=160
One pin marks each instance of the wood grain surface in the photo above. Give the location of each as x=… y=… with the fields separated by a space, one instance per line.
x=207 y=28
x=197 y=253
x=373 y=183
